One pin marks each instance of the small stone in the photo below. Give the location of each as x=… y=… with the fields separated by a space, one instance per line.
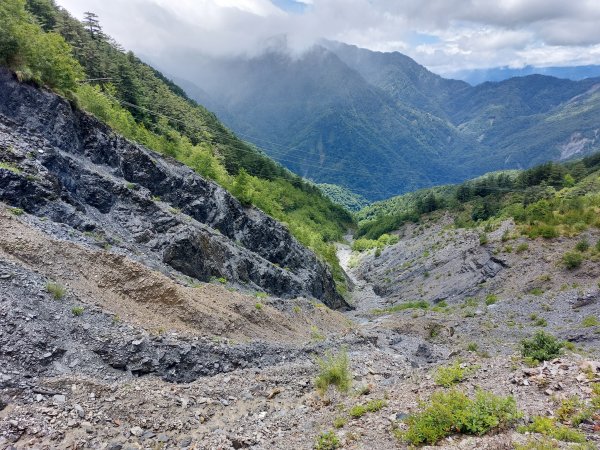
x=185 y=442
x=39 y=398
x=59 y=398
x=136 y=431
x=148 y=435
x=114 y=446
x=80 y=412
x=163 y=438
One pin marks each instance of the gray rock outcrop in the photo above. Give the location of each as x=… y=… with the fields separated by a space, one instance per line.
x=73 y=169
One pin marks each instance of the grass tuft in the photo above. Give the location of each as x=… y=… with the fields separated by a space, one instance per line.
x=372 y=406
x=421 y=304
x=334 y=371
x=56 y=290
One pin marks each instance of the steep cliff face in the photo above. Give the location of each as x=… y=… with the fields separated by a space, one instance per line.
x=71 y=168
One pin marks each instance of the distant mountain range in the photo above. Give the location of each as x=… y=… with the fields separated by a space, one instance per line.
x=478 y=76
x=380 y=124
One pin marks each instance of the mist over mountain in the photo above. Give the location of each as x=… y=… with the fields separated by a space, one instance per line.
x=381 y=124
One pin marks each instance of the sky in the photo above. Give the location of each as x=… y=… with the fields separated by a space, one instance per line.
x=444 y=35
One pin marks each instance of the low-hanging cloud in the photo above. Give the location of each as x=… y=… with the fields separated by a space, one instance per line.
x=444 y=35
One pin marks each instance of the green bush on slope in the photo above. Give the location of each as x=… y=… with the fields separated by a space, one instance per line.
x=453 y=412
x=545 y=201
x=33 y=54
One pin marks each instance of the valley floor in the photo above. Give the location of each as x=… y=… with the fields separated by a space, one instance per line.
x=126 y=375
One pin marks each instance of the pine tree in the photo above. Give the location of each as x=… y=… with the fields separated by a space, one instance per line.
x=44 y=11
x=92 y=25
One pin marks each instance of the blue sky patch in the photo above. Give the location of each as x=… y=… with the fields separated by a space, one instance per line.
x=416 y=38
x=290 y=6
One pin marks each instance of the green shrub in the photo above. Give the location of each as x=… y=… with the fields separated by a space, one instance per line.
x=543 y=230
x=339 y=422
x=261 y=295
x=590 y=321
x=542 y=347
x=483 y=239
x=334 y=371
x=548 y=427
x=56 y=290
x=470 y=302
x=372 y=406
x=327 y=441
x=472 y=347
x=582 y=246
x=10 y=167
x=448 y=376
x=421 y=304
x=453 y=412
x=77 y=310
x=35 y=55
x=572 y=260
x=16 y=211
x=490 y=299
x=574 y=411
x=522 y=247
x=315 y=334
x=362 y=244
x=259 y=306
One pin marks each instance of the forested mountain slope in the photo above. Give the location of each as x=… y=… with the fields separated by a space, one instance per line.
x=339 y=114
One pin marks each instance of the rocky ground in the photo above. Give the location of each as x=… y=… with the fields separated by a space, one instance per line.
x=121 y=385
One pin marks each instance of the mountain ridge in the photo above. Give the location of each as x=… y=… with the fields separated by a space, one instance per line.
x=391 y=112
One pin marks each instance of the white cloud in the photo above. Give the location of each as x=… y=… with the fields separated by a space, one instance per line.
x=471 y=33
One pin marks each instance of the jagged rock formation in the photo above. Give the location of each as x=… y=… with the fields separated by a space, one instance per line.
x=72 y=169
x=447 y=268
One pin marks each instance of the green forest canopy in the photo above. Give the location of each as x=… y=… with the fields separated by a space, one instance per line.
x=546 y=200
